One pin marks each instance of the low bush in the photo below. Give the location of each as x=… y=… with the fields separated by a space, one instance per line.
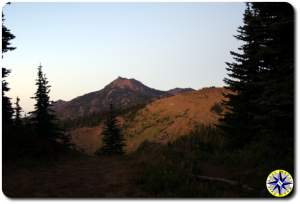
x=217 y=108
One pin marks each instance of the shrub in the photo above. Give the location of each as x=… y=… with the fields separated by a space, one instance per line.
x=217 y=108
x=172 y=170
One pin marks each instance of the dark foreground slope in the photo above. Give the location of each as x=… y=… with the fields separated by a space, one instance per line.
x=190 y=167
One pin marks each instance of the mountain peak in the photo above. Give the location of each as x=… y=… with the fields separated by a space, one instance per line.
x=121 y=78
x=122 y=82
x=124 y=92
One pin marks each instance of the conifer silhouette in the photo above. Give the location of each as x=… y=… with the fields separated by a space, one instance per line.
x=113 y=140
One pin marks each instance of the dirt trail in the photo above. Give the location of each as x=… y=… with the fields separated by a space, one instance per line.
x=88 y=177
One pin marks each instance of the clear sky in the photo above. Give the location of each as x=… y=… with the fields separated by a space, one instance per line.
x=84 y=46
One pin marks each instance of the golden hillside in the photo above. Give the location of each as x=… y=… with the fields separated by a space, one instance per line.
x=161 y=121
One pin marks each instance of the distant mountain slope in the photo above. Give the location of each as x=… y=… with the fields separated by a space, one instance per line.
x=123 y=92
x=165 y=120
x=176 y=91
x=161 y=121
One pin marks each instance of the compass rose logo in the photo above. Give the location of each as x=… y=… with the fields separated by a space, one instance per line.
x=279 y=183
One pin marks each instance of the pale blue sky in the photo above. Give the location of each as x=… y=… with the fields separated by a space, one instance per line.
x=84 y=46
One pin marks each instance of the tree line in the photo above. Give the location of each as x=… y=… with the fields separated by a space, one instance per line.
x=38 y=135
x=261 y=82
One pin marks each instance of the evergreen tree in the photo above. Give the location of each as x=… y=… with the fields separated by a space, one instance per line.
x=18 y=110
x=261 y=104
x=238 y=123
x=43 y=116
x=19 y=136
x=113 y=140
x=7 y=36
x=277 y=98
x=7 y=110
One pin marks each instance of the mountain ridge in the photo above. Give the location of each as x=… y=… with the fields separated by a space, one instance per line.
x=122 y=92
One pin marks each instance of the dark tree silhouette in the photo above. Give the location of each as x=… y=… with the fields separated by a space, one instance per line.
x=20 y=134
x=261 y=104
x=43 y=117
x=276 y=117
x=7 y=110
x=113 y=140
x=7 y=36
x=18 y=110
x=238 y=123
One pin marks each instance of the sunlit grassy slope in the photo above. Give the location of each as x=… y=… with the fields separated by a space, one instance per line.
x=162 y=121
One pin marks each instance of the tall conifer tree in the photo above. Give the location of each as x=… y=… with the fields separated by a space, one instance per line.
x=7 y=110
x=238 y=123
x=43 y=116
x=113 y=140
x=278 y=77
x=261 y=105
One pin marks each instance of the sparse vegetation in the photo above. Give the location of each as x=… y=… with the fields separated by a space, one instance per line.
x=93 y=119
x=175 y=166
x=217 y=108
